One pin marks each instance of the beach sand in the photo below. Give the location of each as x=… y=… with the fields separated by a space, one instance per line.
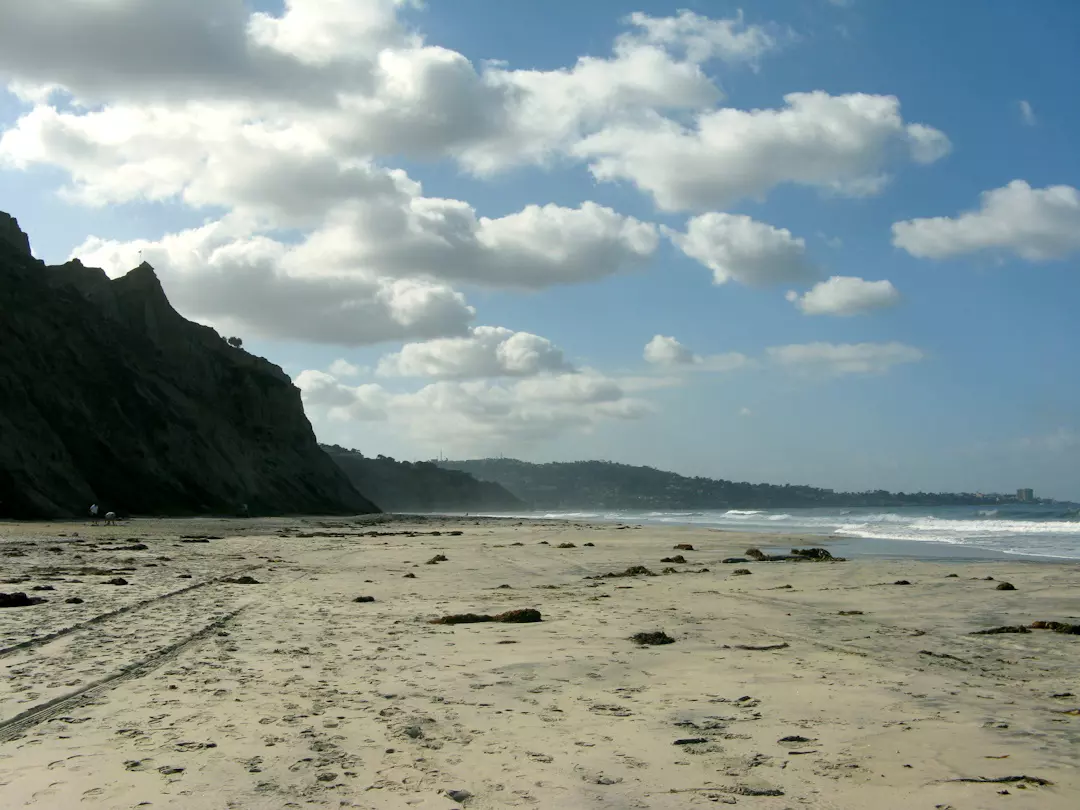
x=182 y=690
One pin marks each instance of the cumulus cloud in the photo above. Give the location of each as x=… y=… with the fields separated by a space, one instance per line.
x=846 y=295
x=666 y=352
x=843 y=144
x=223 y=274
x=702 y=39
x=343 y=368
x=156 y=49
x=839 y=359
x=737 y=247
x=488 y=351
x=479 y=416
x=350 y=67
x=1038 y=224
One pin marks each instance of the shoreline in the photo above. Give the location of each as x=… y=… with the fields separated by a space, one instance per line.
x=851 y=546
x=826 y=685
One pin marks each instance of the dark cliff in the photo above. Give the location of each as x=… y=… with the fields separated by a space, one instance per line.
x=108 y=395
x=421 y=486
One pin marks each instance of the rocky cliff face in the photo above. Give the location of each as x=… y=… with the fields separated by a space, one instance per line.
x=108 y=395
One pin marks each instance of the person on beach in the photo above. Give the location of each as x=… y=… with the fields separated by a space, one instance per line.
x=94 y=512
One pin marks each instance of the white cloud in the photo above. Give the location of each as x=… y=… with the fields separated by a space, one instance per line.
x=155 y=49
x=846 y=295
x=1038 y=224
x=744 y=411
x=1027 y=114
x=736 y=247
x=343 y=368
x=287 y=176
x=351 y=70
x=241 y=282
x=488 y=351
x=666 y=352
x=479 y=416
x=703 y=39
x=838 y=359
x=838 y=143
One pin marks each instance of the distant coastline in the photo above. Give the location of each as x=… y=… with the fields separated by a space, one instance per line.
x=590 y=485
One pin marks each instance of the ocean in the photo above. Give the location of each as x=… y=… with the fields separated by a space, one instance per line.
x=1029 y=530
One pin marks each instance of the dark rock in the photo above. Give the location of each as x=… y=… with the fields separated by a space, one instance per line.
x=589 y=545
x=691 y=741
x=117 y=581
x=850 y=613
x=566 y=545
x=669 y=571
x=74 y=600
x=141 y=409
x=632 y=571
x=740 y=572
x=13 y=600
x=1057 y=627
x=952 y=576
x=43 y=588
x=12 y=237
x=459 y=796
x=812 y=554
x=364 y=599
x=410 y=576
x=244 y=580
x=183 y=576
x=734 y=560
x=678 y=558
x=993 y=631
x=438 y=558
x=794 y=739
x=649 y=639
x=1005 y=586
x=901 y=582
x=683 y=547
x=521 y=616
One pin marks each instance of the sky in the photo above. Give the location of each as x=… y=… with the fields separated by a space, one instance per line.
x=832 y=242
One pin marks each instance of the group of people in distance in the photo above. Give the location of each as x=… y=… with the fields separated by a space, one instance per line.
x=110 y=517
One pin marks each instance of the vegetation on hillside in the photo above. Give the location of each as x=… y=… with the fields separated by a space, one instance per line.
x=420 y=486
x=607 y=485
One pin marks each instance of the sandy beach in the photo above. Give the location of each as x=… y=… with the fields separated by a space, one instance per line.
x=798 y=685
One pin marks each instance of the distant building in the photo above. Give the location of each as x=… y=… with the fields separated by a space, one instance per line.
x=1026 y=495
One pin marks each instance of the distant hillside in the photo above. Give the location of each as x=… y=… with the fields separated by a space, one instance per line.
x=606 y=485
x=421 y=486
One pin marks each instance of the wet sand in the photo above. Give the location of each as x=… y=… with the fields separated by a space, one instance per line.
x=181 y=689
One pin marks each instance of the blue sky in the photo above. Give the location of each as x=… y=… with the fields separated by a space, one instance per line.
x=957 y=375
